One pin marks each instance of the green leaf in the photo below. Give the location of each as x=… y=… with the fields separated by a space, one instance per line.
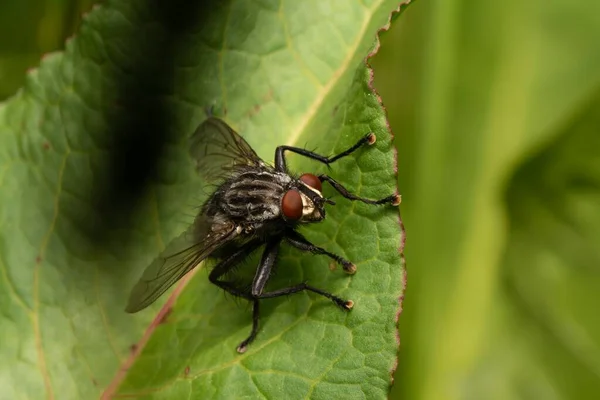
x=498 y=161
x=551 y=280
x=279 y=73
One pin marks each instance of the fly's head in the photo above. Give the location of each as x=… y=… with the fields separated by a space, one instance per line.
x=304 y=203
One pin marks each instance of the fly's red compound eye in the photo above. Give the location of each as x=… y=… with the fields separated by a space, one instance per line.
x=312 y=181
x=291 y=205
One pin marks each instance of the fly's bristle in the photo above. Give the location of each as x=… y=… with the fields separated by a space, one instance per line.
x=397 y=200
x=371 y=138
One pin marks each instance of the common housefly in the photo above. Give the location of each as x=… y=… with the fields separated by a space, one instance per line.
x=255 y=204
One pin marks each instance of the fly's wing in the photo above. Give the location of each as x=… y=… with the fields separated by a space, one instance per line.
x=218 y=150
x=182 y=255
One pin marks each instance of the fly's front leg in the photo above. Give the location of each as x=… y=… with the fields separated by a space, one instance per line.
x=393 y=199
x=259 y=282
x=280 y=163
x=300 y=242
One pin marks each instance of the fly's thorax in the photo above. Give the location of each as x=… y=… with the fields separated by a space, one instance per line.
x=254 y=196
x=259 y=196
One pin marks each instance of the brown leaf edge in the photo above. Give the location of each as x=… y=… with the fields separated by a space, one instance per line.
x=112 y=388
x=372 y=53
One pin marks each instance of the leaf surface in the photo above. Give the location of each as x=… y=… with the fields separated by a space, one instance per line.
x=278 y=74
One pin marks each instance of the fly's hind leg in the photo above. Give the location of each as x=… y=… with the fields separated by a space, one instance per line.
x=227 y=265
x=263 y=273
x=343 y=304
x=223 y=268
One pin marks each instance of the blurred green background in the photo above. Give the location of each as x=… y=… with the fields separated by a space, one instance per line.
x=496 y=111
x=30 y=28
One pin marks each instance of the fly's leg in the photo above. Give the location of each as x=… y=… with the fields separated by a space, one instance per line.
x=343 y=304
x=280 y=163
x=300 y=242
x=393 y=199
x=255 y=319
x=261 y=278
x=227 y=264
x=263 y=273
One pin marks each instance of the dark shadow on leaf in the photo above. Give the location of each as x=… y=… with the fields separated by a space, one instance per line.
x=141 y=121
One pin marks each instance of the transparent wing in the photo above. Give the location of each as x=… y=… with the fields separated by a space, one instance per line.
x=218 y=150
x=182 y=255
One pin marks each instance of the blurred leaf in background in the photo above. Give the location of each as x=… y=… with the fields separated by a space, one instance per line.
x=29 y=29
x=495 y=109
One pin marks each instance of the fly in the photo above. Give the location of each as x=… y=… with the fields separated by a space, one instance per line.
x=255 y=204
